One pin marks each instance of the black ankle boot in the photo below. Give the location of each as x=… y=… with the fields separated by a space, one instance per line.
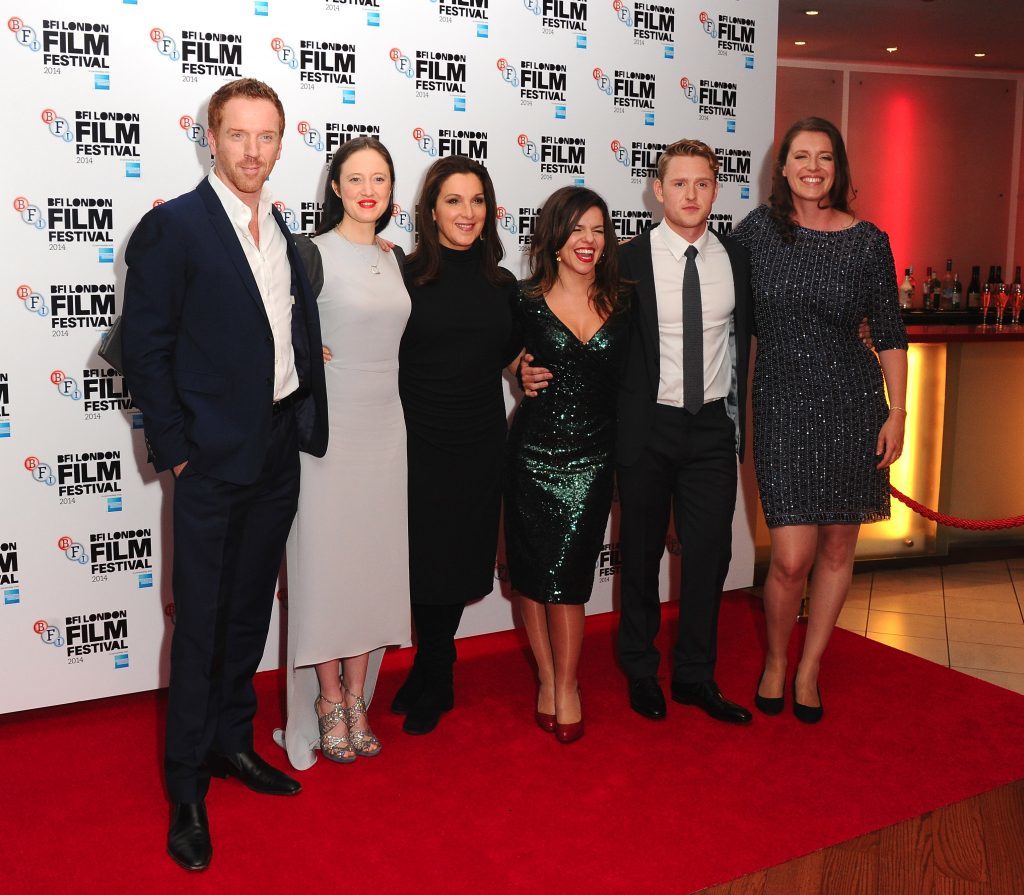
x=409 y=693
x=437 y=698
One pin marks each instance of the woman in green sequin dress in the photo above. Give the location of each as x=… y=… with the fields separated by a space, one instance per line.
x=558 y=485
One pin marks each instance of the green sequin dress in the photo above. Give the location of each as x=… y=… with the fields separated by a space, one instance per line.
x=559 y=469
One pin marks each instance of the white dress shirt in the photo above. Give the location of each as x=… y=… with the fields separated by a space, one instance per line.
x=718 y=301
x=272 y=272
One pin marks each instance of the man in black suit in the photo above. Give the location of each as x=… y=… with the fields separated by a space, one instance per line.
x=222 y=355
x=682 y=405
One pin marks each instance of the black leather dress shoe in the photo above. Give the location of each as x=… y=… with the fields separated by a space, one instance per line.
x=426 y=712
x=254 y=772
x=706 y=695
x=188 y=839
x=409 y=692
x=646 y=698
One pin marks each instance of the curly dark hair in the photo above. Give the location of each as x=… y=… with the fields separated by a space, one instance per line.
x=557 y=218
x=780 y=203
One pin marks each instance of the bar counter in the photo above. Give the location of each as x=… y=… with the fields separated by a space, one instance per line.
x=940 y=332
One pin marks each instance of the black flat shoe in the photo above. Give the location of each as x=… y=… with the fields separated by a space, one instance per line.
x=646 y=698
x=188 y=839
x=424 y=716
x=809 y=714
x=254 y=772
x=768 y=705
x=707 y=697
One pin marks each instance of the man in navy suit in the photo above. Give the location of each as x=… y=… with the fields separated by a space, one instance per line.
x=682 y=406
x=222 y=355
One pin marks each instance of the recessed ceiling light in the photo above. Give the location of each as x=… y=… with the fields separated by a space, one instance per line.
x=800 y=43
x=979 y=55
x=891 y=49
x=810 y=12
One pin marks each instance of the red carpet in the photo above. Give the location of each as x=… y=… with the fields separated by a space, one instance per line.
x=489 y=803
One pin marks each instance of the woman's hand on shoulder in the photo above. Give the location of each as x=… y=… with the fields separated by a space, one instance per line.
x=328 y=357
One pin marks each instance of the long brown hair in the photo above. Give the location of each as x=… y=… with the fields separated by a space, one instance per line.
x=780 y=203
x=334 y=208
x=557 y=219
x=424 y=263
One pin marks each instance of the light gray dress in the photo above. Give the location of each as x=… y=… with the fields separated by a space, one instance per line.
x=348 y=554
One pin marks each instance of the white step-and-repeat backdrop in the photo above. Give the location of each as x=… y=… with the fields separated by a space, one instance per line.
x=106 y=111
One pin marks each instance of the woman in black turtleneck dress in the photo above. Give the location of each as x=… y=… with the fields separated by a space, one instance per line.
x=458 y=339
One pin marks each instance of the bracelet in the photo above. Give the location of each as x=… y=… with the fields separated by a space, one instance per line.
x=894 y=407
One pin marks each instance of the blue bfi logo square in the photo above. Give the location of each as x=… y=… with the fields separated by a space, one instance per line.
x=137 y=421
x=101 y=81
x=670 y=51
x=130 y=2
x=744 y=192
x=5 y=428
x=114 y=505
x=145 y=579
x=748 y=61
x=262 y=8
x=133 y=169
x=12 y=596
x=348 y=96
x=730 y=126
x=560 y=113
x=581 y=41
x=460 y=104
x=373 y=19
x=648 y=119
x=481 y=30
x=578 y=182
x=120 y=660
x=106 y=254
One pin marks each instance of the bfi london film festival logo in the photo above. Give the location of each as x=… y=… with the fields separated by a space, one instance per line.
x=101 y=391
x=321 y=62
x=713 y=99
x=435 y=72
x=67 y=44
x=291 y=219
x=649 y=22
x=91 y=634
x=86 y=306
x=720 y=222
x=5 y=406
x=630 y=222
x=556 y=155
x=519 y=222
x=195 y=132
x=401 y=218
x=202 y=53
x=629 y=90
x=472 y=144
x=609 y=562
x=731 y=35
x=537 y=82
x=735 y=168
x=72 y=219
x=10 y=584
x=473 y=11
x=120 y=553
x=333 y=135
x=79 y=475
x=639 y=158
x=99 y=134
x=561 y=15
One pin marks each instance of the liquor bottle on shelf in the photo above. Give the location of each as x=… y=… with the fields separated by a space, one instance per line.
x=906 y=291
x=974 y=288
x=999 y=295
x=926 y=289
x=1016 y=297
x=936 y=292
x=986 y=300
x=956 y=302
x=947 y=286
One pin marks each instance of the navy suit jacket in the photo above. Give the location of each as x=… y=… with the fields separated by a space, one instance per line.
x=638 y=392
x=198 y=347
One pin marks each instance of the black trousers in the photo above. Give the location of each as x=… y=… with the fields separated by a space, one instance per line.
x=228 y=544
x=688 y=468
x=436 y=627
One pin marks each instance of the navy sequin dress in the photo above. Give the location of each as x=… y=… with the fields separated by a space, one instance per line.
x=558 y=480
x=818 y=397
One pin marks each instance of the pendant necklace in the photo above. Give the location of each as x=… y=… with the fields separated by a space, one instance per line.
x=375 y=267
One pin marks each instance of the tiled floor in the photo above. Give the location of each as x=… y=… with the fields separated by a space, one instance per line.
x=968 y=617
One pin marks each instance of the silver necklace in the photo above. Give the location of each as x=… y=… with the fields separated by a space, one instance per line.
x=375 y=267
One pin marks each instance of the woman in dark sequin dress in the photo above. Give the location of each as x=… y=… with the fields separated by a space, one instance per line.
x=824 y=435
x=558 y=484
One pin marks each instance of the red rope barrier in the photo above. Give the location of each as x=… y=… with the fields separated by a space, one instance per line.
x=952 y=521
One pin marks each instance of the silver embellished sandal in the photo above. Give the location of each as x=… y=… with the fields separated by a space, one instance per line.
x=363 y=742
x=334 y=748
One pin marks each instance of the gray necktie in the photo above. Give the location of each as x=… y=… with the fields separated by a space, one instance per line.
x=693 y=336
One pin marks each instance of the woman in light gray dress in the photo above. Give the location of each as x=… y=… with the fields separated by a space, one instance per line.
x=348 y=567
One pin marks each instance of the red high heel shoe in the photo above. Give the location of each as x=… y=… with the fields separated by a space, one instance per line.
x=546 y=722
x=569 y=733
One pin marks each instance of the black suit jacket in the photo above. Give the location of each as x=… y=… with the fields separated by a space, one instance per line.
x=198 y=347
x=639 y=390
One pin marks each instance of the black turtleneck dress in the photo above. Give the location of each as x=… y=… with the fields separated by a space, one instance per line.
x=458 y=340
